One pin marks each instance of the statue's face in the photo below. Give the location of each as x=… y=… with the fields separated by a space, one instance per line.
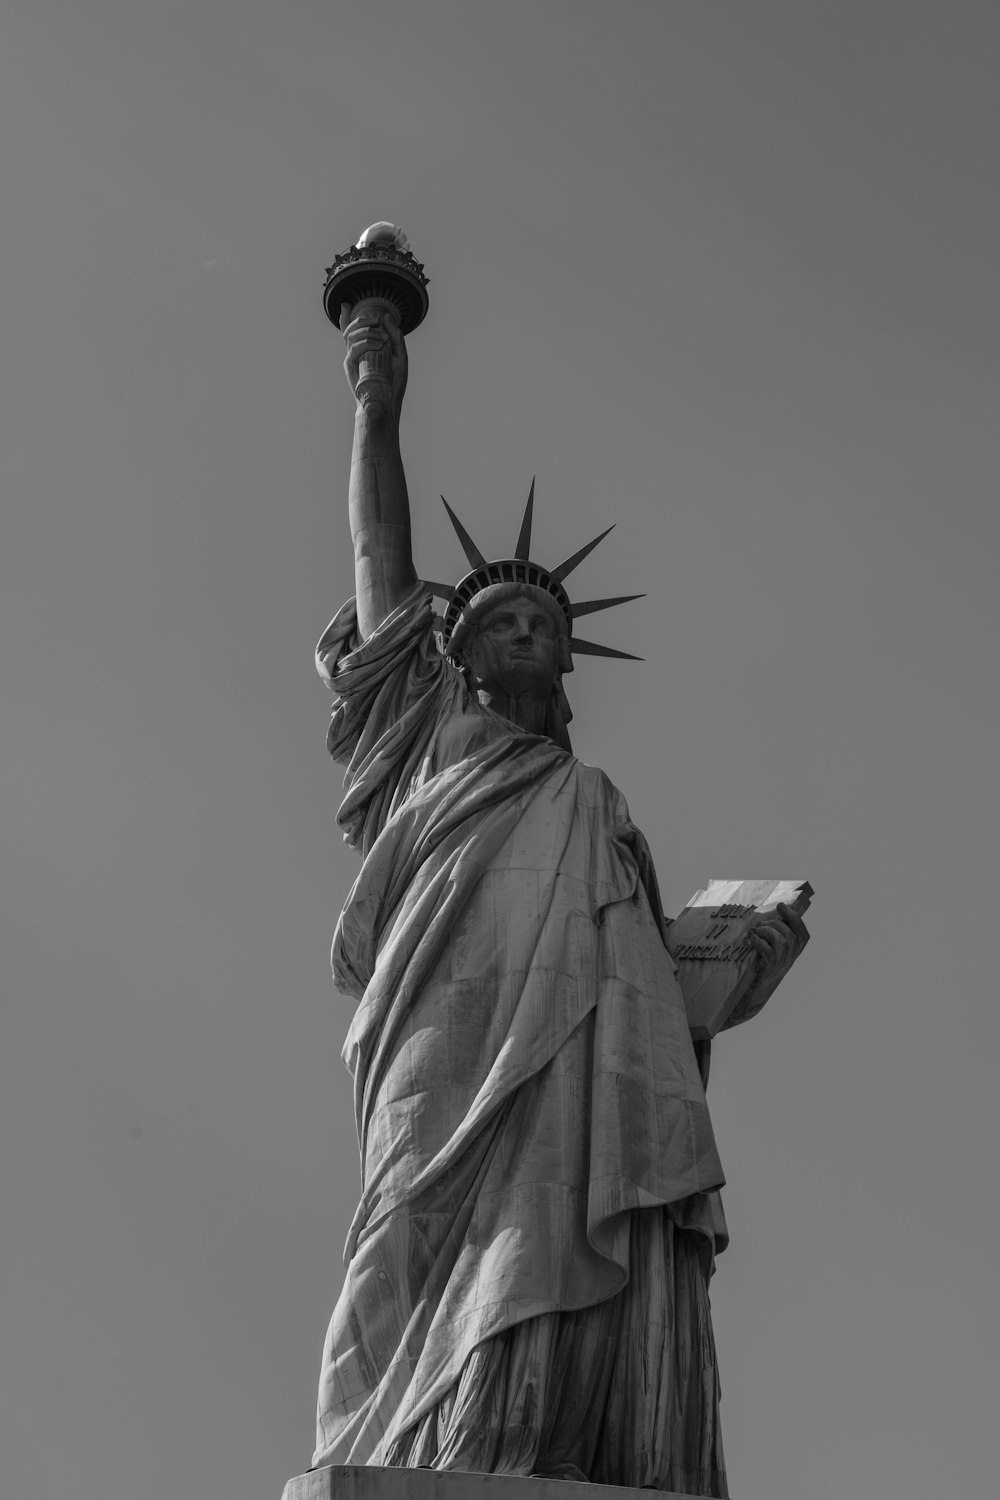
x=515 y=650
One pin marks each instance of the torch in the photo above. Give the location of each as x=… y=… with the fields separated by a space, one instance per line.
x=377 y=275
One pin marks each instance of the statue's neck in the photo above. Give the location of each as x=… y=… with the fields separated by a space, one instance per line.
x=528 y=713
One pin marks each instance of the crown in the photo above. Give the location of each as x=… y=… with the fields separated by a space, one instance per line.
x=519 y=569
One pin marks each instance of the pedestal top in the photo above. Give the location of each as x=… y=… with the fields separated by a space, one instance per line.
x=373 y=1483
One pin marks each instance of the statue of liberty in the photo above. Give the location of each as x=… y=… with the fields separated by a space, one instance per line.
x=528 y=1268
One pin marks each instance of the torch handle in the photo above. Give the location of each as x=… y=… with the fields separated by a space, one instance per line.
x=374 y=387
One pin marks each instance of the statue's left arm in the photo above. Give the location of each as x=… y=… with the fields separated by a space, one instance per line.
x=778 y=941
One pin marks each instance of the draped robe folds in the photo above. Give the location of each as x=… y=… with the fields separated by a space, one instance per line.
x=525 y=1080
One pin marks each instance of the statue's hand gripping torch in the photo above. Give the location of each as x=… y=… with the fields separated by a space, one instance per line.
x=376 y=276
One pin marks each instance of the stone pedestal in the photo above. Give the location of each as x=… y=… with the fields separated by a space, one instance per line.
x=370 y=1483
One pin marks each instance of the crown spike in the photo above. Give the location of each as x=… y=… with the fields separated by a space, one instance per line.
x=565 y=568
x=590 y=648
x=472 y=552
x=439 y=590
x=522 y=549
x=591 y=606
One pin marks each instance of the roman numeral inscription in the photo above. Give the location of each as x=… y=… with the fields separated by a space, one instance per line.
x=721 y=952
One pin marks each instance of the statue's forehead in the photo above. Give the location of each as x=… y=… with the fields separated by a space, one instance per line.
x=515 y=602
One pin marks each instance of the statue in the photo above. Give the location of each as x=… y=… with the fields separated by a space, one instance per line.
x=528 y=1268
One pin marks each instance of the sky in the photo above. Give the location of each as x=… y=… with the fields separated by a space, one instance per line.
x=724 y=274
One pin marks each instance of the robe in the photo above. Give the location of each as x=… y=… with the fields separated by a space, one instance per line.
x=539 y=1211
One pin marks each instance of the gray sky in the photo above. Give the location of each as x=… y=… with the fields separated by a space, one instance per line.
x=724 y=273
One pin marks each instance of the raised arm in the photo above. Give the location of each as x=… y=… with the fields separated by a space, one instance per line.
x=379 y=505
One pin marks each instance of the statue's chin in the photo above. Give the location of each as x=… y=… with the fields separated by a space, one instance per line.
x=521 y=682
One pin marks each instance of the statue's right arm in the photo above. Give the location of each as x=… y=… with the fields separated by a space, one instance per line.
x=379 y=505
